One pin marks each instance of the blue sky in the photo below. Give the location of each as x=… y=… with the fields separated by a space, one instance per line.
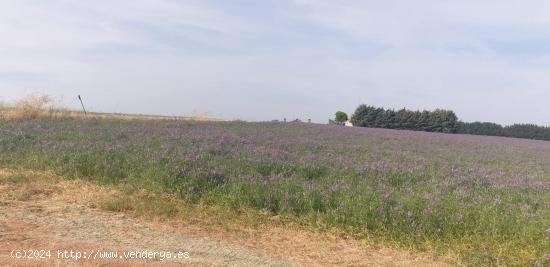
x=261 y=60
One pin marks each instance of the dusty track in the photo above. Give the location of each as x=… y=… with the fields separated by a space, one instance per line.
x=62 y=215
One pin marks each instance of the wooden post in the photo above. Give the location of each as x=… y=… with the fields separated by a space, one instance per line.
x=82 y=103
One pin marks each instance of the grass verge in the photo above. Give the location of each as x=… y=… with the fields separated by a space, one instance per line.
x=281 y=237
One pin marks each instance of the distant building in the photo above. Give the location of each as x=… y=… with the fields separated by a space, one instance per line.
x=347 y=123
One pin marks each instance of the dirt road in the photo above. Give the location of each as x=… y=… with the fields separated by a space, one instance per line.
x=62 y=216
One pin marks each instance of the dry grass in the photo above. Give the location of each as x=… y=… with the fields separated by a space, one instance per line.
x=122 y=116
x=38 y=105
x=32 y=106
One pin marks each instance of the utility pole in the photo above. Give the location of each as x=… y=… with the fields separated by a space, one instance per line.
x=82 y=103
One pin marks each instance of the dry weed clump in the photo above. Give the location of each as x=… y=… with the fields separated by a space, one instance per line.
x=30 y=107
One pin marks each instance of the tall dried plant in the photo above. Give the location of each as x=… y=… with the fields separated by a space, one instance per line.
x=31 y=106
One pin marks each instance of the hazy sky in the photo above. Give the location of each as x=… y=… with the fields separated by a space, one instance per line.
x=487 y=60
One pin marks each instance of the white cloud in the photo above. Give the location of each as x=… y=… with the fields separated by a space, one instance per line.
x=301 y=58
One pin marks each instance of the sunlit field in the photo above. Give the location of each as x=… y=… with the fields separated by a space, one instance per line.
x=482 y=200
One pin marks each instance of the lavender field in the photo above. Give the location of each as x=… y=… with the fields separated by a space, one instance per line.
x=484 y=199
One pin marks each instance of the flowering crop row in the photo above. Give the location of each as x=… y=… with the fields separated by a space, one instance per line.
x=487 y=199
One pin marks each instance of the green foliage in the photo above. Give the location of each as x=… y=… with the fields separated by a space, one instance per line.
x=527 y=131
x=482 y=128
x=341 y=116
x=441 y=199
x=443 y=121
x=439 y=120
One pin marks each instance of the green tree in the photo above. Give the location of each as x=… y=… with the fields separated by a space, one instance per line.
x=443 y=121
x=363 y=116
x=341 y=116
x=424 y=122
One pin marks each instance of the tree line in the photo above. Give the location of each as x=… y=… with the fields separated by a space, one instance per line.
x=439 y=120
x=528 y=131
